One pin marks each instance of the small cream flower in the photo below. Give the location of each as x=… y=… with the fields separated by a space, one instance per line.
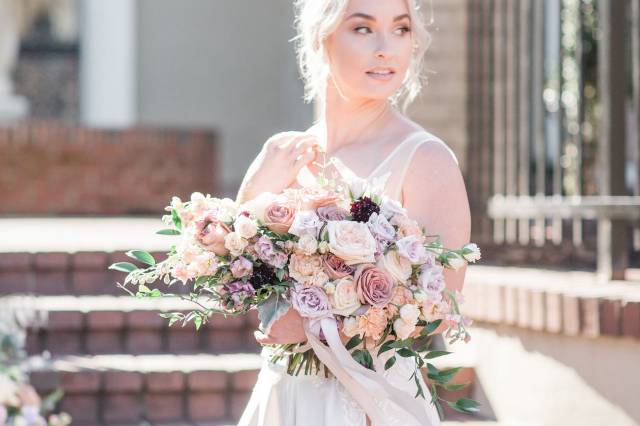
x=308 y=244
x=235 y=243
x=402 y=329
x=409 y=313
x=245 y=226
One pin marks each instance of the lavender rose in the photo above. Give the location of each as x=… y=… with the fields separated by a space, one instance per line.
x=239 y=290
x=331 y=212
x=241 y=267
x=374 y=286
x=311 y=302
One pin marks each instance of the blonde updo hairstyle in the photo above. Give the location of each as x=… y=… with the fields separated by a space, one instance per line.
x=317 y=19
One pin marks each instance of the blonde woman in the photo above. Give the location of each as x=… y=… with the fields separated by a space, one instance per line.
x=361 y=62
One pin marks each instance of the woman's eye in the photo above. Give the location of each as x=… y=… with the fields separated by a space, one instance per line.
x=358 y=28
x=405 y=29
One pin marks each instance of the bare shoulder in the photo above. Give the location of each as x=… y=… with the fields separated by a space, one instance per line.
x=434 y=171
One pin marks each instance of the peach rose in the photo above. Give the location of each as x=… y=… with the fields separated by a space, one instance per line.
x=302 y=268
x=344 y=298
x=397 y=266
x=278 y=216
x=351 y=241
x=407 y=227
x=374 y=286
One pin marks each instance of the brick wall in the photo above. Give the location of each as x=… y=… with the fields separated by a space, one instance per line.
x=50 y=168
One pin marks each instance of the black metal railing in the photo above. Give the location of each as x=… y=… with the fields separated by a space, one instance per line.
x=553 y=126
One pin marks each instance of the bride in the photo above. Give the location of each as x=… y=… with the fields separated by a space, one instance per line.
x=358 y=59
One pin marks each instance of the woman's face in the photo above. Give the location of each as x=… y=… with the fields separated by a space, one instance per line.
x=373 y=36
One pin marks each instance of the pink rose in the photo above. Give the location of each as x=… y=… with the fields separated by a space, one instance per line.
x=278 y=216
x=374 y=286
x=331 y=212
x=311 y=302
x=335 y=267
x=211 y=232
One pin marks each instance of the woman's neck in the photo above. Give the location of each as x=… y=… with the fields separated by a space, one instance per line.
x=344 y=123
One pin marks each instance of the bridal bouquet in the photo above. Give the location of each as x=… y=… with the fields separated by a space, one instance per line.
x=348 y=259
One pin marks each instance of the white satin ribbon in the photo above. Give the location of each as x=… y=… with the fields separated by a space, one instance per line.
x=359 y=381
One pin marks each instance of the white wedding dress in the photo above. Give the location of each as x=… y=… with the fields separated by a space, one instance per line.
x=280 y=399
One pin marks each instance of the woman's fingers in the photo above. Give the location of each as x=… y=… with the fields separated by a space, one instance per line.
x=263 y=339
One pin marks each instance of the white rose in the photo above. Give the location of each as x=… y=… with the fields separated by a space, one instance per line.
x=471 y=252
x=344 y=300
x=390 y=207
x=357 y=186
x=351 y=241
x=398 y=267
x=411 y=248
x=350 y=326
x=380 y=227
x=305 y=222
x=402 y=329
x=308 y=244
x=245 y=226
x=235 y=243
x=409 y=313
x=456 y=262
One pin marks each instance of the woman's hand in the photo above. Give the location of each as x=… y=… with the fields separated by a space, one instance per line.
x=287 y=329
x=278 y=163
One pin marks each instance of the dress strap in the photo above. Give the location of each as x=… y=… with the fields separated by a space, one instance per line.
x=396 y=150
x=398 y=162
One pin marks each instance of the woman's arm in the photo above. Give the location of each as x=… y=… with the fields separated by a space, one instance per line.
x=435 y=196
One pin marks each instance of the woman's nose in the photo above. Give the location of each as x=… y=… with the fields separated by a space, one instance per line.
x=383 y=47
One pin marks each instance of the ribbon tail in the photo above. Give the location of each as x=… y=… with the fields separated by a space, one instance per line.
x=355 y=388
x=357 y=379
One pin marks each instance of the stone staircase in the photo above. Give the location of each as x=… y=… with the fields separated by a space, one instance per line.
x=118 y=361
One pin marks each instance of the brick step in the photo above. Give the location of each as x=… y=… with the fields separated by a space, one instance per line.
x=67 y=273
x=124 y=324
x=162 y=389
x=129 y=389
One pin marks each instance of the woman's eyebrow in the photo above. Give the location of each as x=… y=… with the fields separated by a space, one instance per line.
x=371 y=18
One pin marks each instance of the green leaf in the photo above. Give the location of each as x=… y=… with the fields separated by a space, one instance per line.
x=406 y=353
x=271 y=309
x=353 y=342
x=389 y=363
x=363 y=357
x=198 y=322
x=386 y=346
x=464 y=405
x=141 y=256
x=455 y=386
x=435 y=354
x=123 y=267
x=168 y=232
x=430 y=328
x=176 y=219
